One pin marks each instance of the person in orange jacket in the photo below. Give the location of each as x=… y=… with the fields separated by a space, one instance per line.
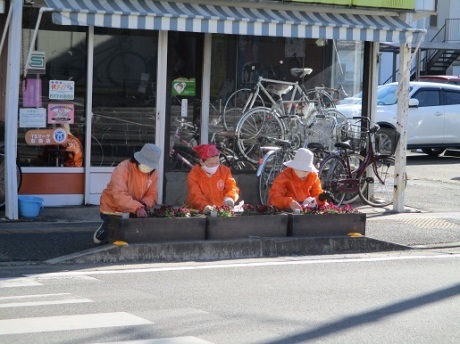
x=209 y=183
x=297 y=185
x=132 y=188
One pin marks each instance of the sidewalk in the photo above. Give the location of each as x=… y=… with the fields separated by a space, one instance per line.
x=64 y=235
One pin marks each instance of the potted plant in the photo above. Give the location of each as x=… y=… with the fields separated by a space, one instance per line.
x=328 y=220
x=250 y=221
x=164 y=223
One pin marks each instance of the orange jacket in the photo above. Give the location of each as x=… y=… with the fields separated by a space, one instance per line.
x=74 y=152
x=287 y=187
x=128 y=187
x=204 y=190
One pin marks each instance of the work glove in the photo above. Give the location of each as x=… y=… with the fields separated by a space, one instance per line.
x=229 y=201
x=141 y=212
x=294 y=205
x=207 y=210
x=310 y=202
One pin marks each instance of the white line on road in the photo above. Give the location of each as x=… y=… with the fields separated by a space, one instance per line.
x=173 y=340
x=69 y=322
x=247 y=265
x=18 y=282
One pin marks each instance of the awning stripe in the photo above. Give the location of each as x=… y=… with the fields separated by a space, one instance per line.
x=182 y=16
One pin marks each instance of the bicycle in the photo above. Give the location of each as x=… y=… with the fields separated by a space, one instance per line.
x=2 y=176
x=341 y=178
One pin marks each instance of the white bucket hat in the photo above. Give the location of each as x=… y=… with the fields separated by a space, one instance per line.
x=303 y=161
x=149 y=155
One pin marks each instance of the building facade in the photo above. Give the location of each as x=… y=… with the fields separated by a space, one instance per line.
x=116 y=75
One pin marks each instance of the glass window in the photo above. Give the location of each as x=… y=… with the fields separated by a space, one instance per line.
x=52 y=101
x=124 y=90
x=451 y=97
x=427 y=98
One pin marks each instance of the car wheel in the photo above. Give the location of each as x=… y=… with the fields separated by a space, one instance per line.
x=433 y=151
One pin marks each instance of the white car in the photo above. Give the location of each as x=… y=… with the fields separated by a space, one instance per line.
x=434 y=114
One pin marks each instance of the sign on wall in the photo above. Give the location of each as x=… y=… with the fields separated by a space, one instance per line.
x=32 y=118
x=62 y=89
x=45 y=137
x=183 y=87
x=60 y=113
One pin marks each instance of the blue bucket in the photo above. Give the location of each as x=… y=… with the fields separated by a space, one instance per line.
x=30 y=206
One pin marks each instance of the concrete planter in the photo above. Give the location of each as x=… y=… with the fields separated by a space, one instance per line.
x=239 y=227
x=152 y=229
x=326 y=225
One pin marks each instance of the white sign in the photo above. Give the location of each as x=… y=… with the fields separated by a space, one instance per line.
x=32 y=118
x=184 y=108
x=37 y=62
x=62 y=89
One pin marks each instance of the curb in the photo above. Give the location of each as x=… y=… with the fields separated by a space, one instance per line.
x=227 y=249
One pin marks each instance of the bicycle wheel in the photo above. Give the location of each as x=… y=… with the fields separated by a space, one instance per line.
x=258 y=127
x=124 y=70
x=379 y=188
x=321 y=98
x=355 y=161
x=271 y=166
x=332 y=170
x=233 y=109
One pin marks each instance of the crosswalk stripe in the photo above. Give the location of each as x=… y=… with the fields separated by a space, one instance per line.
x=69 y=322
x=172 y=340
x=18 y=282
x=44 y=303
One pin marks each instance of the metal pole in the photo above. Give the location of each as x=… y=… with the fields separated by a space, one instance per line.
x=13 y=72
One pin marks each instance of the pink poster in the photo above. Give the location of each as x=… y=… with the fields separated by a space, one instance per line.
x=32 y=93
x=60 y=113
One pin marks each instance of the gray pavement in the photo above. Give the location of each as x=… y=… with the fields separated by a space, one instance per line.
x=431 y=219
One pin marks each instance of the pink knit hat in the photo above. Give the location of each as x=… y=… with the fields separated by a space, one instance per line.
x=206 y=151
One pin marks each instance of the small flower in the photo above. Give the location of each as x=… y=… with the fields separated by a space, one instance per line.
x=224 y=211
x=169 y=211
x=330 y=209
x=249 y=209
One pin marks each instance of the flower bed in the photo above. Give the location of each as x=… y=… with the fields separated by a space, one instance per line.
x=253 y=221
x=329 y=220
x=163 y=224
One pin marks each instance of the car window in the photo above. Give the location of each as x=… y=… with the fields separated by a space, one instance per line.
x=427 y=98
x=386 y=95
x=451 y=97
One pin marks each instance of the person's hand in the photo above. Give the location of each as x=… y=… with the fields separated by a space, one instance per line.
x=295 y=205
x=141 y=212
x=229 y=201
x=310 y=202
x=207 y=210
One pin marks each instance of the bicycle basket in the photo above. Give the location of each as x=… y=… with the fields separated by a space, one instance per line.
x=386 y=141
x=352 y=132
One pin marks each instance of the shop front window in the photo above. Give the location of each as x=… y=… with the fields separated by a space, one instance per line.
x=124 y=90
x=51 y=130
x=237 y=64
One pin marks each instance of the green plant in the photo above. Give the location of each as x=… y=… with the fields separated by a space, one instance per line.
x=223 y=211
x=329 y=209
x=169 y=211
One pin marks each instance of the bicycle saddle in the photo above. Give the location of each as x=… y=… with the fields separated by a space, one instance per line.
x=299 y=73
x=344 y=145
x=279 y=89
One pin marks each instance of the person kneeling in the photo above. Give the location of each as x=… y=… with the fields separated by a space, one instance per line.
x=298 y=185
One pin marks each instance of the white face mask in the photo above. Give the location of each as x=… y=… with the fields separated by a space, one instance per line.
x=301 y=174
x=210 y=170
x=145 y=169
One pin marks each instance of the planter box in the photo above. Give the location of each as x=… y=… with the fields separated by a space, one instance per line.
x=326 y=225
x=239 y=227
x=152 y=229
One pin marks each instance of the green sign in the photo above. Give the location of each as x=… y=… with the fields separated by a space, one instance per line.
x=184 y=87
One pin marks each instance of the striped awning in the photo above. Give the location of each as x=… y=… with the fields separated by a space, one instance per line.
x=238 y=20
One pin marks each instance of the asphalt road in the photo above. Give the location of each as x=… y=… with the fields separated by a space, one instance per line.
x=410 y=297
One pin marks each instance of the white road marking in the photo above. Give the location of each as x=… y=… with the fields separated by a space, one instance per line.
x=251 y=264
x=44 y=302
x=18 y=282
x=69 y=322
x=174 y=340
